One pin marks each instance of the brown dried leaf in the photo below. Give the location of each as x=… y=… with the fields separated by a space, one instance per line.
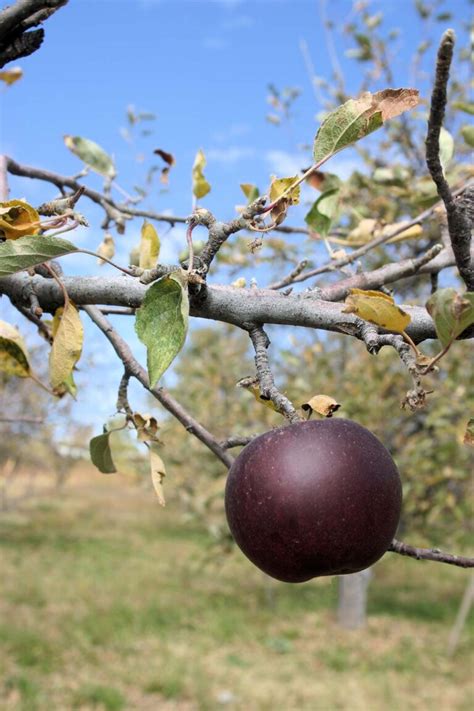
x=158 y=473
x=147 y=427
x=18 y=219
x=469 y=434
x=167 y=157
x=322 y=404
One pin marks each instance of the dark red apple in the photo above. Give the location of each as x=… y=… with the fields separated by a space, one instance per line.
x=321 y=497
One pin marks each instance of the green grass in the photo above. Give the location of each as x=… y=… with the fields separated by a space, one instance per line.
x=106 y=604
x=104 y=697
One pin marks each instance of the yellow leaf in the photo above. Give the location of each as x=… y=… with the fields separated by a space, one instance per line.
x=251 y=384
x=158 y=473
x=149 y=246
x=279 y=185
x=10 y=76
x=410 y=233
x=240 y=283
x=322 y=404
x=106 y=248
x=368 y=230
x=18 y=219
x=200 y=185
x=377 y=308
x=68 y=336
x=13 y=352
x=363 y=233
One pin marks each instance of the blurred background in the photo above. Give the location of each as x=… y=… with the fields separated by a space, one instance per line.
x=110 y=601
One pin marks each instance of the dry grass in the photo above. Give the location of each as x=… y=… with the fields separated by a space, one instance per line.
x=105 y=604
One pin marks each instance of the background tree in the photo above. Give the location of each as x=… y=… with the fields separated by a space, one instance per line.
x=389 y=231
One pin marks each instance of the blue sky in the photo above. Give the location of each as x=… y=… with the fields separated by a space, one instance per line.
x=203 y=69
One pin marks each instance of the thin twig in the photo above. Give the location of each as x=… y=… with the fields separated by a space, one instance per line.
x=387 y=274
x=26 y=420
x=122 y=394
x=290 y=278
x=268 y=389
x=62 y=181
x=459 y=224
x=433 y=554
x=236 y=441
x=163 y=396
x=337 y=264
x=42 y=327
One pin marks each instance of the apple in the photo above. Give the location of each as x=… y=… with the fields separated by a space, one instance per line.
x=321 y=497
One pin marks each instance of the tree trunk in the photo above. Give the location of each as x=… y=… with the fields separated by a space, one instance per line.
x=352 y=605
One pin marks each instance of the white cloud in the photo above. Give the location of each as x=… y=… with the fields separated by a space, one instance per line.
x=216 y=43
x=229 y=155
x=283 y=163
x=345 y=166
x=234 y=130
x=240 y=22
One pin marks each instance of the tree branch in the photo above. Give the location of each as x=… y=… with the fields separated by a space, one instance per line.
x=336 y=264
x=16 y=19
x=63 y=181
x=133 y=367
x=459 y=224
x=236 y=441
x=217 y=303
x=387 y=274
x=268 y=389
x=433 y=554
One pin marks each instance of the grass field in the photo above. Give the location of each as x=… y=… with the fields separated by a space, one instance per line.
x=106 y=603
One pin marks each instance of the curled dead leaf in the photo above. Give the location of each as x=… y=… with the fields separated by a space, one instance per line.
x=324 y=405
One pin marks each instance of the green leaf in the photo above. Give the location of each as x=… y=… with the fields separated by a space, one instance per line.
x=324 y=211
x=446 y=148
x=162 y=322
x=467 y=107
x=101 y=456
x=13 y=353
x=200 y=185
x=29 y=251
x=467 y=132
x=250 y=191
x=359 y=117
x=451 y=312
x=92 y=155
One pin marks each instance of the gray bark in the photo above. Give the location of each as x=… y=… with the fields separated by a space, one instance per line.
x=352 y=605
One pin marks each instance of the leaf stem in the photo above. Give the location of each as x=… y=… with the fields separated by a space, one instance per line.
x=437 y=357
x=59 y=282
x=294 y=185
x=99 y=256
x=411 y=344
x=36 y=380
x=189 y=240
